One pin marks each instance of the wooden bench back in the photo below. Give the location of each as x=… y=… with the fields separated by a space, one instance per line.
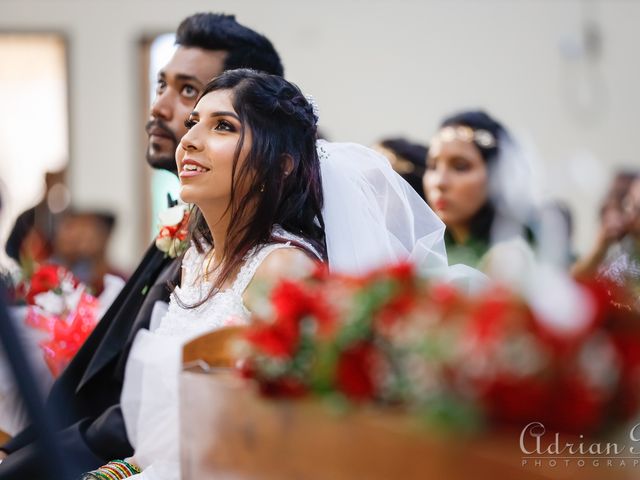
x=216 y=349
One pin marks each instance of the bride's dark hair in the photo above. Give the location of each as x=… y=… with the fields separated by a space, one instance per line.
x=282 y=124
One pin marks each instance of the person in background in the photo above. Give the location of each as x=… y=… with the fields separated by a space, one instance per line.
x=615 y=254
x=85 y=399
x=80 y=244
x=31 y=237
x=461 y=186
x=406 y=158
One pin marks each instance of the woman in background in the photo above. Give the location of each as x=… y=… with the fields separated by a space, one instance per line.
x=615 y=254
x=615 y=238
x=462 y=186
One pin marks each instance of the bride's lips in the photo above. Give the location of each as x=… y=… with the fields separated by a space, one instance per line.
x=191 y=168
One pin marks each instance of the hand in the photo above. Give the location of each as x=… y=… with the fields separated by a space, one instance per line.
x=613 y=227
x=3 y=455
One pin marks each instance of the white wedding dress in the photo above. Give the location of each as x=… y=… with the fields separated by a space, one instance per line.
x=372 y=218
x=150 y=396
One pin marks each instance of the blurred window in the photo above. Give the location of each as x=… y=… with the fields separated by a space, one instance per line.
x=34 y=122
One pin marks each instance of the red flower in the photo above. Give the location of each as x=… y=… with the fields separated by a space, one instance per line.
x=47 y=277
x=68 y=336
x=445 y=297
x=178 y=232
x=167 y=231
x=517 y=401
x=278 y=339
x=627 y=345
x=321 y=272
x=182 y=233
x=397 y=308
x=171 y=238
x=292 y=302
x=576 y=407
x=355 y=372
x=403 y=271
x=283 y=387
x=490 y=317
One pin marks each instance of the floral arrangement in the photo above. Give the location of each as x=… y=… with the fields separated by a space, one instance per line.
x=393 y=338
x=172 y=238
x=60 y=306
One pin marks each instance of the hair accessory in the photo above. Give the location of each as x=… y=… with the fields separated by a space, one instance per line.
x=314 y=106
x=482 y=138
x=322 y=152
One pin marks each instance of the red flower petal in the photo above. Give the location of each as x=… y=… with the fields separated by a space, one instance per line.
x=355 y=372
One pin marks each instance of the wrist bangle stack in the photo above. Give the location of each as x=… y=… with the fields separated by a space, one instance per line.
x=114 y=470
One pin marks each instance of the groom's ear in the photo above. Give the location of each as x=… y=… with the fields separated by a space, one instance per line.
x=287 y=164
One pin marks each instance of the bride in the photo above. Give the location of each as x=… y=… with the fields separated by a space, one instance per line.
x=250 y=165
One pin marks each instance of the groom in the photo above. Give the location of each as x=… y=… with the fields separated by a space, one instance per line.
x=84 y=400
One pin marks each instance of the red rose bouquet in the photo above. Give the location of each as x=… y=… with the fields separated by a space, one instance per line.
x=60 y=306
x=498 y=357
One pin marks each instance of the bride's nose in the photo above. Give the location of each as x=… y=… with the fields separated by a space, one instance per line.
x=190 y=141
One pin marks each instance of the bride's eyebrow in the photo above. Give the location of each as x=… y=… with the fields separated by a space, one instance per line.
x=224 y=114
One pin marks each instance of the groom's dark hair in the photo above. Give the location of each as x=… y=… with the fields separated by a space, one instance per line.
x=246 y=48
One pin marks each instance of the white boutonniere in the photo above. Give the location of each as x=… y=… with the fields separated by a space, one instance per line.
x=172 y=238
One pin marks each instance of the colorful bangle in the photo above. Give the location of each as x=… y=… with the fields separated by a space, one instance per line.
x=114 y=470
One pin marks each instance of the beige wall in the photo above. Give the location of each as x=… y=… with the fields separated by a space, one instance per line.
x=376 y=68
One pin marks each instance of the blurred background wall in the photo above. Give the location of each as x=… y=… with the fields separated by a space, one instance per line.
x=563 y=75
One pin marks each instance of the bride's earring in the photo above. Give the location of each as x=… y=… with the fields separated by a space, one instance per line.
x=262 y=188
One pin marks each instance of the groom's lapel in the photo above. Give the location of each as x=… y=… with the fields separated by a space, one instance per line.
x=169 y=277
x=112 y=331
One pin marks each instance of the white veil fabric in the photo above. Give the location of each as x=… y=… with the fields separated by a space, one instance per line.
x=373 y=218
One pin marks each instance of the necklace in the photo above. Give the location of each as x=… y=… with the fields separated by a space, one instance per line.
x=208 y=266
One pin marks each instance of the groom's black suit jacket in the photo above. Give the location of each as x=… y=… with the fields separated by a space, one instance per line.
x=84 y=400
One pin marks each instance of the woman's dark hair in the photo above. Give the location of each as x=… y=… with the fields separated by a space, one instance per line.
x=245 y=48
x=480 y=120
x=282 y=124
x=482 y=221
x=412 y=155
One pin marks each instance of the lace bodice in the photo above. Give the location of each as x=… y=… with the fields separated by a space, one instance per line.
x=225 y=308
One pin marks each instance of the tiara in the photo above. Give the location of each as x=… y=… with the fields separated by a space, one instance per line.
x=483 y=138
x=314 y=107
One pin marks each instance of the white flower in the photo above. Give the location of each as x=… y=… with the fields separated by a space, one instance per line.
x=51 y=302
x=172 y=216
x=561 y=304
x=164 y=243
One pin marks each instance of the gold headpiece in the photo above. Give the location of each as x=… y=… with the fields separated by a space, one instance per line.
x=482 y=138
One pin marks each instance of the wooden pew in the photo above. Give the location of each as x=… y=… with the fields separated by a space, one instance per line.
x=215 y=349
x=231 y=432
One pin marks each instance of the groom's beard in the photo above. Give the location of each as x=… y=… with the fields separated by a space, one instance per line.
x=161 y=154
